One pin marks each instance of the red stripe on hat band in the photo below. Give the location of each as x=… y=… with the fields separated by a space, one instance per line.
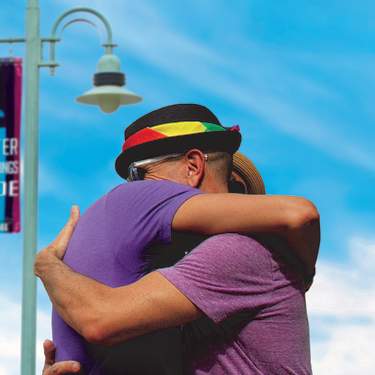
x=143 y=136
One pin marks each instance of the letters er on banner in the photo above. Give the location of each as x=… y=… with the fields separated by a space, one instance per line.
x=10 y=124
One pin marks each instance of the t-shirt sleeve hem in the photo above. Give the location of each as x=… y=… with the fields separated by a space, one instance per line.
x=181 y=285
x=179 y=201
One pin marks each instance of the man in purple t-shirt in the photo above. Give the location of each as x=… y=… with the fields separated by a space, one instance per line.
x=110 y=245
x=106 y=217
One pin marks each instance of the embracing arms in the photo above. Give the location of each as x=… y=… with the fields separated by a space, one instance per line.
x=106 y=315
x=111 y=315
x=293 y=218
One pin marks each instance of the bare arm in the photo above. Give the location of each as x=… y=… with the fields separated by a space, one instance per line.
x=110 y=315
x=295 y=219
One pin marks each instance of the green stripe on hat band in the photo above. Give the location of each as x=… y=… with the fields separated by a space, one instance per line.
x=213 y=127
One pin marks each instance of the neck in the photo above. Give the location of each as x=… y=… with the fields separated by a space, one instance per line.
x=160 y=177
x=214 y=187
x=205 y=187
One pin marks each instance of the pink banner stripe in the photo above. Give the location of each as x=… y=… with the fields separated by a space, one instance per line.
x=17 y=132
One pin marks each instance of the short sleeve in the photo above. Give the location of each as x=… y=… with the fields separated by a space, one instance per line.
x=224 y=275
x=141 y=213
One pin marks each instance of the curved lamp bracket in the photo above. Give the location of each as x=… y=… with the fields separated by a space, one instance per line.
x=78 y=20
x=53 y=39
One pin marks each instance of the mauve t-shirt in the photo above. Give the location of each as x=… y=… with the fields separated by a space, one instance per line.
x=110 y=244
x=231 y=274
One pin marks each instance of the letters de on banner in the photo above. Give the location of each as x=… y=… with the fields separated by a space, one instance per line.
x=10 y=120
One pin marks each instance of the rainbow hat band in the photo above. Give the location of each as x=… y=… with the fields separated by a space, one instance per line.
x=175 y=129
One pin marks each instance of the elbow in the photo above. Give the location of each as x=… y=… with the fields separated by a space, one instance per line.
x=96 y=323
x=93 y=334
x=103 y=329
x=304 y=212
x=97 y=333
x=96 y=326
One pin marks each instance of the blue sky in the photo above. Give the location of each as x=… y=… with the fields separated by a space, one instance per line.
x=295 y=75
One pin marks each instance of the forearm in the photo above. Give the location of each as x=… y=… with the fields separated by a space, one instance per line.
x=286 y=216
x=110 y=315
x=75 y=297
x=220 y=213
x=305 y=243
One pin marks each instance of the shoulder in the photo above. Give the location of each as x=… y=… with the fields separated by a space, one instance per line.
x=224 y=275
x=147 y=207
x=233 y=252
x=235 y=243
x=149 y=187
x=134 y=192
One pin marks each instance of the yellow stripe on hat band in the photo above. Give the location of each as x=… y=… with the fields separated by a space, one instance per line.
x=180 y=128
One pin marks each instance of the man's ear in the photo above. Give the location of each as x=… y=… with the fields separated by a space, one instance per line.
x=195 y=166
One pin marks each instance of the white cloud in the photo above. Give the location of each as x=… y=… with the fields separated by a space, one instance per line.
x=348 y=350
x=257 y=79
x=10 y=338
x=341 y=307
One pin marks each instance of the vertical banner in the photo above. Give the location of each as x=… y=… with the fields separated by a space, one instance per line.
x=10 y=126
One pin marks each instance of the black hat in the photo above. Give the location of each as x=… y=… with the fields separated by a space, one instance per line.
x=175 y=129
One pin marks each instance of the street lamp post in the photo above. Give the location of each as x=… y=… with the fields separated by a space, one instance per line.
x=108 y=94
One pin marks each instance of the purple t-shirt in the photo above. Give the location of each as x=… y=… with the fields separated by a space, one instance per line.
x=110 y=244
x=230 y=274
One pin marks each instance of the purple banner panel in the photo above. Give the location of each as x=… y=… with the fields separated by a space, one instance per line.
x=10 y=126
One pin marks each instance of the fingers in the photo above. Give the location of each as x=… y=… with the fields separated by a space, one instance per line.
x=49 y=352
x=52 y=368
x=64 y=236
x=65 y=367
x=74 y=213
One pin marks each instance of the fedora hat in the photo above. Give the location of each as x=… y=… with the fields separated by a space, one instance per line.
x=175 y=129
x=246 y=174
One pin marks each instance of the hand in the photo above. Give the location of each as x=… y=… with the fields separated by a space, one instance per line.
x=59 y=245
x=57 y=249
x=52 y=368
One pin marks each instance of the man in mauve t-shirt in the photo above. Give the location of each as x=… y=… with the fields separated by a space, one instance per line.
x=226 y=277
x=231 y=274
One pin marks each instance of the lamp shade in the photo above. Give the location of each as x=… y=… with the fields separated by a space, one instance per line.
x=109 y=91
x=108 y=97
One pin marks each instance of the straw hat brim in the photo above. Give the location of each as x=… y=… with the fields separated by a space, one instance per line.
x=246 y=169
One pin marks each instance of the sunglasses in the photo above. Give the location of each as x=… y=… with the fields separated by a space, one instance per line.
x=137 y=173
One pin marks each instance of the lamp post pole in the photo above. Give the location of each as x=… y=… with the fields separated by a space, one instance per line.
x=108 y=95
x=30 y=214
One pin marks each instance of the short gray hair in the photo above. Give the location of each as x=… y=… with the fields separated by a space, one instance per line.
x=221 y=163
